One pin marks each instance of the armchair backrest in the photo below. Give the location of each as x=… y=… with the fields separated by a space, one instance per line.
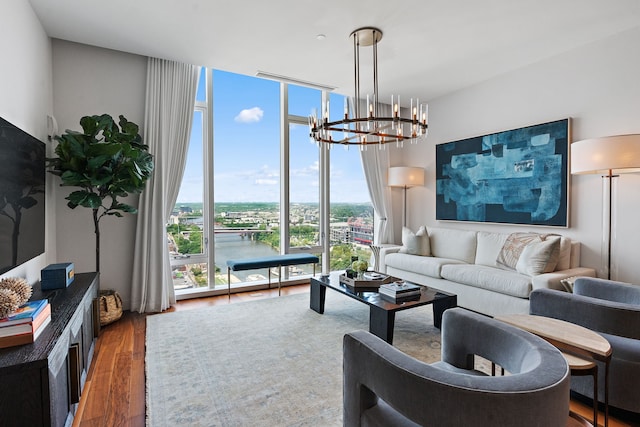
x=598 y=314
x=395 y=389
x=608 y=290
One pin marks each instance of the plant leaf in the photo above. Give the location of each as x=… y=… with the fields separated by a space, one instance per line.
x=105 y=160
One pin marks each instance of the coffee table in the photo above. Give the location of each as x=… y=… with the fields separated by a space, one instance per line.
x=381 y=312
x=580 y=346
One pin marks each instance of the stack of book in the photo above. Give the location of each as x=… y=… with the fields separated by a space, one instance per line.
x=26 y=324
x=399 y=291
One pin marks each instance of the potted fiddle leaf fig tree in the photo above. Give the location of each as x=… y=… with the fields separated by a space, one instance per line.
x=107 y=161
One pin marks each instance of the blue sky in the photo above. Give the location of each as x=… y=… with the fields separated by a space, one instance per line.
x=247 y=146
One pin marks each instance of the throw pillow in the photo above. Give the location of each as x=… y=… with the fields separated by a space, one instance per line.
x=555 y=255
x=415 y=244
x=513 y=247
x=564 y=262
x=536 y=255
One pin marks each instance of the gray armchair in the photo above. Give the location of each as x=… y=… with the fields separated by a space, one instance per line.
x=612 y=309
x=386 y=387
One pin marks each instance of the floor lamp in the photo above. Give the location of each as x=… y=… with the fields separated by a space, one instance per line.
x=405 y=177
x=609 y=156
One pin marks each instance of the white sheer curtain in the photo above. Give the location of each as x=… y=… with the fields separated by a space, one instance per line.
x=171 y=91
x=375 y=162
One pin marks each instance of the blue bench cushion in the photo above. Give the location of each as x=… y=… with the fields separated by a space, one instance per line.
x=271 y=261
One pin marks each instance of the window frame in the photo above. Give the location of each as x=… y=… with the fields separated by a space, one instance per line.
x=286 y=121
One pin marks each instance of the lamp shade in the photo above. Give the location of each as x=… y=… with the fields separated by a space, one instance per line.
x=618 y=154
x=405 y=176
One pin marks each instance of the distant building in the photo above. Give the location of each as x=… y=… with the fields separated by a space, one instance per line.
x=340 y=233
x=361 y=232
x=185 y=209
x=232 y=215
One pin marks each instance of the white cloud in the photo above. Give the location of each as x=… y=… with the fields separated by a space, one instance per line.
x=250 y=115
x=268 y=172
x=310 y=170
x=264 y=181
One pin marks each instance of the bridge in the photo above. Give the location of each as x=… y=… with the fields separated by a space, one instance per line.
x=242 y=231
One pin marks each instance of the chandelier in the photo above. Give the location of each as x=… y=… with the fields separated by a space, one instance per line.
x=374 y=127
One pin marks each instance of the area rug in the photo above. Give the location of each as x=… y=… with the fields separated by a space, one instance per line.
x=271 y=362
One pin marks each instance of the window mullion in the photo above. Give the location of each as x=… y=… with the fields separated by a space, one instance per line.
x=284 y=168
x=208 y=207
x=325 y=241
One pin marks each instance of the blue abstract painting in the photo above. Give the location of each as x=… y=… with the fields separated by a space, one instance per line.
x=517 y=176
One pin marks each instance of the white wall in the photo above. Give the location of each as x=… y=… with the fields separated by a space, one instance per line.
x=26 y=100
x=597 y=86
x=86 y=81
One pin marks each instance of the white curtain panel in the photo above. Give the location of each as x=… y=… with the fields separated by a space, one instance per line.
x=375 y=163
x=171 y=91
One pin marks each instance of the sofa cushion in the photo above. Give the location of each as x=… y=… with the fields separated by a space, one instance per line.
x=539 y=257
x=427 y=266
x=415 y=243
x=489 y=246
x=453 y=244
x=513 y=247
x=490 y=278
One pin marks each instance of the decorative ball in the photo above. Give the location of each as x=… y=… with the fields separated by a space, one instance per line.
x=8 y=302
x=19 y=286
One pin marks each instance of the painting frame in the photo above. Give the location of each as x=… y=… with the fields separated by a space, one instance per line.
x=518 y=176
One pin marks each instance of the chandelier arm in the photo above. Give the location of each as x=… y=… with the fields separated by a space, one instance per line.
x=357 y=133
x=328 y=125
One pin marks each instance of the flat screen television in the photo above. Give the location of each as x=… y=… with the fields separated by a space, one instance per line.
x=22 y=196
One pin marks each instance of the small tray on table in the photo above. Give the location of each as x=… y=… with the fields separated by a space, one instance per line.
x=370 y=280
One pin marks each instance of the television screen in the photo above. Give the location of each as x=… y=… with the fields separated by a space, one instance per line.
x=22 y=186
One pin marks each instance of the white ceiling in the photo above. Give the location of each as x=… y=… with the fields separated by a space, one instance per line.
x=429 y=48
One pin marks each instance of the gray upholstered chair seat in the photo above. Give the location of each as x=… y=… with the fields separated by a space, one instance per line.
x=386 y=387
x=612 y=309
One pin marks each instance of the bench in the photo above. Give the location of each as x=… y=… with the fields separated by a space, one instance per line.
x=268 y=262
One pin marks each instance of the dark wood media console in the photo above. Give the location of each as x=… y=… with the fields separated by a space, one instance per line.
x=41 y=383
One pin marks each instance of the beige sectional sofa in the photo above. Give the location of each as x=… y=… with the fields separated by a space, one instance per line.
x=492 y=273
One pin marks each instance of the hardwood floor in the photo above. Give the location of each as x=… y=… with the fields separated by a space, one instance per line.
x=114 y=393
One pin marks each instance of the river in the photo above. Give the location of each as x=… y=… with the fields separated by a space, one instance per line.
x=234 y=246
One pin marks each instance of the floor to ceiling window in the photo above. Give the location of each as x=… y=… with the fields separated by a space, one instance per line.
x=253 y=186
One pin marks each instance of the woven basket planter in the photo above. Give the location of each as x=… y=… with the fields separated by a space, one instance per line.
x=110 y=307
